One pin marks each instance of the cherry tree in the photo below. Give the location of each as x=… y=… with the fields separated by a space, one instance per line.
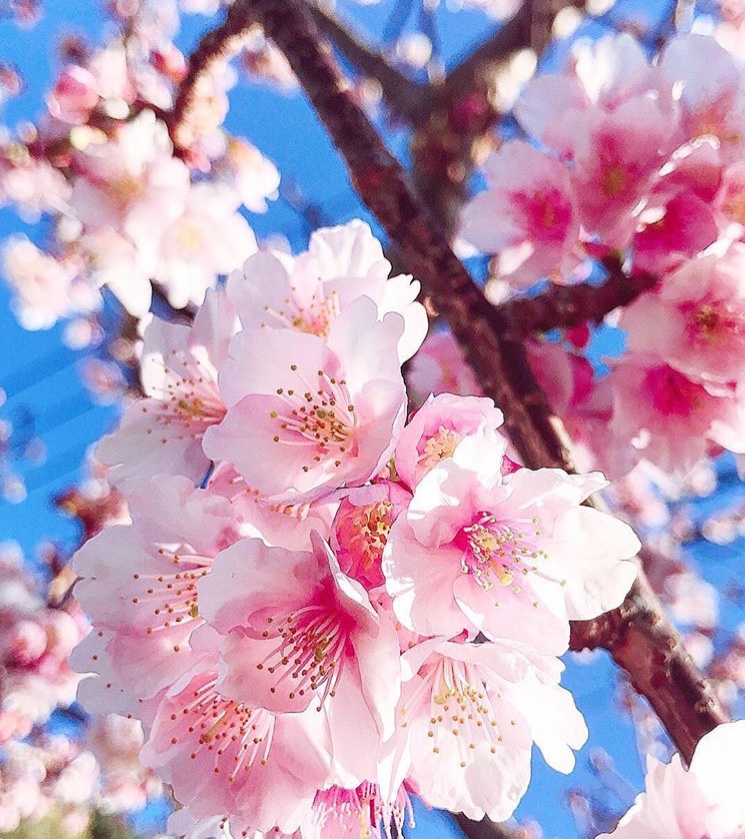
x=367 y=492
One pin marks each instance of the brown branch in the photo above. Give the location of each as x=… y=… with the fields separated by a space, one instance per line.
x=638 y=634
x=645 y=644
x=563 y=307
x=407 y=98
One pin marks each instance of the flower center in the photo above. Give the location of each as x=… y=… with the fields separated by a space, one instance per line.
x=672 y=393
x=440 y=445
x=190 y=398
x=237 y=736
x=310 y=653
x=461 y=710
x=172 y=595
x=496 y=552
x=315 y=316
x=321 y=415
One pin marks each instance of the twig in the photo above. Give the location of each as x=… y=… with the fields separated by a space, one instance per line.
x=216 y=44
x=407 y=98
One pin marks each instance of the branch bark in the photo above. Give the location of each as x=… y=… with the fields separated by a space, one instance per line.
x=638 y=634
x=407 y=98
x=564 y=307
x=645 y=644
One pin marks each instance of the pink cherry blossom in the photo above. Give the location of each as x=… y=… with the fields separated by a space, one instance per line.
x=712 y=96
x=132 y=182
x=695 y=320
x=46 y=289
x=308 y=292
x=140 y=580
x=615 y=162
x=162 y=433
x=669 y=417
x=470 y=714
x=607 y=75
x=526 y=215
x=436 y=429
x=704 y=801
x=305 y=415
x=73 y=96
x=512 y=556
x=257 y=769
x=298 y=633
x=208 y=239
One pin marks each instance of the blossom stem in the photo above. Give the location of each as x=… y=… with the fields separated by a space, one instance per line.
x=217 y=43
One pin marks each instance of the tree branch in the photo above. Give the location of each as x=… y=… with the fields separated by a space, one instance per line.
x=646 y=645
x=407 y=98
x=563 y=307
x=638 y=634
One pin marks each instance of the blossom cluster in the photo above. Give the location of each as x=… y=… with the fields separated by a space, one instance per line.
x=58 y=776
x=321 y=605
x=644 y=160
x=132 y=197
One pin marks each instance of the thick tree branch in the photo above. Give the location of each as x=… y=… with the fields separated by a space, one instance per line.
x=407 y=98
x=638 y=634
x=563 y=307
x=643 y=642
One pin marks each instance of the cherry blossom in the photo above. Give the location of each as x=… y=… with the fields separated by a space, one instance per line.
x=472 y=713
x=140 y=580
x=437 y=428
x=257 y=769
x=309 y=292
x=306 y=637
x=671 y=418
x=162 y=434
x=440 y=367
x=695 y=320
x=526 y=215
x=482 y=551
x=307 y=415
